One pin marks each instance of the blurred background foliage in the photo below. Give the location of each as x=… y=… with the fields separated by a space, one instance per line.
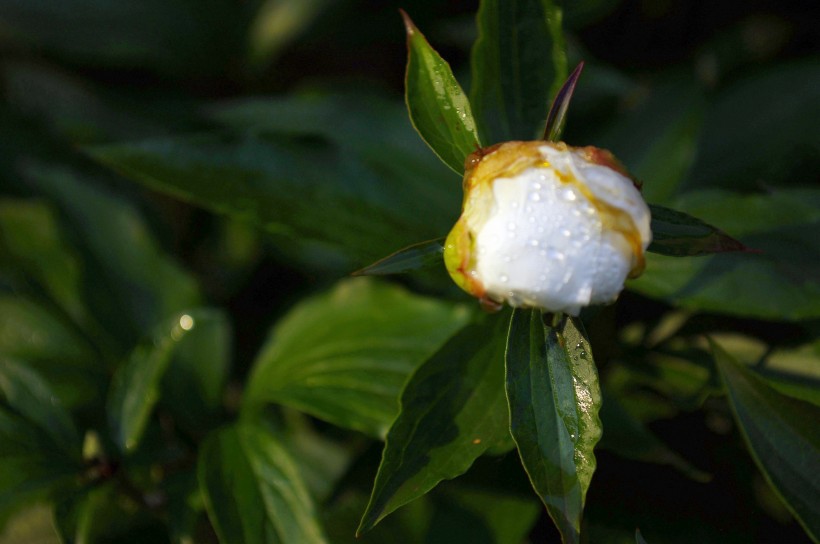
x=199 y=320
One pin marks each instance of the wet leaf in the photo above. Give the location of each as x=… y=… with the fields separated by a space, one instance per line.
x=554 y=398
x=344 y=356
x=253 y=490
x=452 y=411
x=407 y=259
x=782 y=435
x=439 y=109
x=518 y=64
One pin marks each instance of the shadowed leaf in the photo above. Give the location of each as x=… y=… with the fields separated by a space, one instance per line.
x=409 y=258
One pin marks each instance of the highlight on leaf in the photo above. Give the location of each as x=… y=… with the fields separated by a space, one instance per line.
x=557 y=118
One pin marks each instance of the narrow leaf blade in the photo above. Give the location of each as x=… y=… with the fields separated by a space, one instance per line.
x=410 y=258
x=782 y=435
x=554 y=398
x=557 y=117
x=439 y=109
x=678 y=234
x=452 y=411
x=136 y=385
x=518 y=63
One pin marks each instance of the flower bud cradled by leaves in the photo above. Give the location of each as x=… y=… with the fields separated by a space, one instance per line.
x=547 y=226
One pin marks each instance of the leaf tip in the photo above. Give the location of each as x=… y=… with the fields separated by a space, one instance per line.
x=408 y=23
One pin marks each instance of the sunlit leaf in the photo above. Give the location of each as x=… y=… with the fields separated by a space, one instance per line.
x=554 y=398
x=253 y=490
x=678 y=234
x=407 y=259
x=452 y=411
x=344 y=356
x=439 y=109
x=518 y=64
x=782 y=435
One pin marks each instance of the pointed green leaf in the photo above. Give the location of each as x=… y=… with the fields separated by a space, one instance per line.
x=780 y=282
x=253 y=491
x=554 y=397
x=452 y=411
x=136 y=385
x=344 y=356
x=518 y=64
x=32 y=397
x=678 y=234
x=409 y=258
x=783 y=436
x=438 y=107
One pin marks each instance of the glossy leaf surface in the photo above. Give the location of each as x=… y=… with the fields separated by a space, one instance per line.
x=783 y=436
x=554 y=398
x=518 y=63
x=344 y=356
x=253 y=491
x=452 y=411
x=439 y=109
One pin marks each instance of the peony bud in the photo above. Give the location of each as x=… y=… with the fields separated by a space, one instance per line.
x=547 y=226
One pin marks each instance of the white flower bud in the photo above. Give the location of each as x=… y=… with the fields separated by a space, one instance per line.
x=547 y=226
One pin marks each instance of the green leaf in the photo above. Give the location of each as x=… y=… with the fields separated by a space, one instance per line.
x=30 y=333
x=307 y=189
x=130 y=283
x=518 y=63
x=639 y=537
x=344 y=356
x=407 y=259
x=33 y=246
x=782 y=435
x=678 y=234
x=31 y=396
x=193 y=384
x=253 y=490
x=780 y=282
x=135 y=388
x=452 y=411
x=438 y=107
x=554 y=398
x=32 y=465
x=745 y=145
